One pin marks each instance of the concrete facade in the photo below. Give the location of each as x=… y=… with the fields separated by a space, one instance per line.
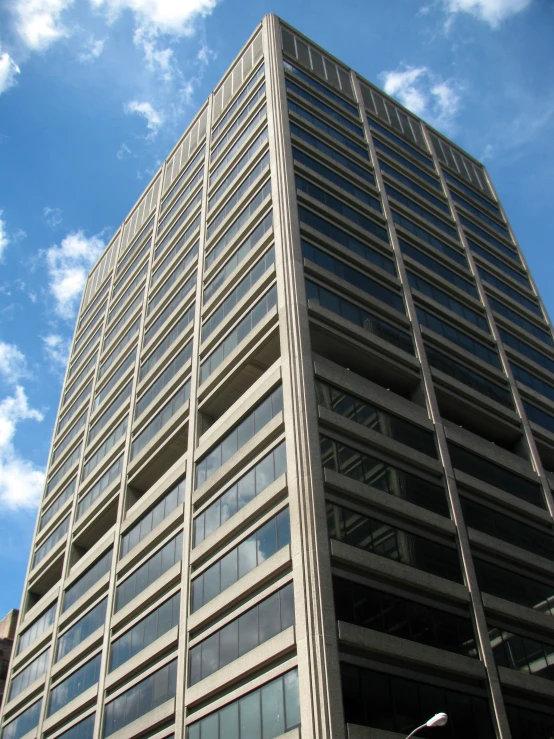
x=301 y=477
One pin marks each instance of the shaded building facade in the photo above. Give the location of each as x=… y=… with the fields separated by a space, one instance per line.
x=301 y=475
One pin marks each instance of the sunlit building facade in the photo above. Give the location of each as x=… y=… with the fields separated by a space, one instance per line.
x=301 y=475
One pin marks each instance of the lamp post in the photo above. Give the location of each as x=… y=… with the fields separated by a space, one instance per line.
x=439 y=719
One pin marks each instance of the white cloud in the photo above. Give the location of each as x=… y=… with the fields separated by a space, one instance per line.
x=153 y=118
x=4 y=241
x=21 y=481
x=68 y=266
x=39 y=22
x=492 y=12
x=8 y=72
x=174 y=17
x=425 y=94
x=52 y=216
x=13 y=365
x=56 y=348
x=123 y=151
x=92 y=49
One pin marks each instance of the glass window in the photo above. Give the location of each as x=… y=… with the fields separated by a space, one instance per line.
x=327 y=129
x=170 y=232
x=83 y=730
x=154 y=516
x=164 y=378
x=75 y=406
x=366 y=414
x=502 y=230
x=179 y=247
x=521 y=321
x=238 y=224
x=450 y=332
x=462 y=310
x=340 y=207
x=79 y=681
x=439 y=268
x=538 y=416
x=265 y=713
x=184 y=291
x=109 y=442
x=427 y=161
x=380 y=611
x=359 y=316
x=184 y=176
x=237 y=103
x=528 y=723
x=353 y=276
x=493 y=474
x=170 y=409
x=70 y=390
x=251 y=152
x=145 y=632
x=250 y=279
x=89 y=578
x=238 y=495
x=514 y=586
x=422 y=212
x=316 y=102
x=508 y=251
x=312 y=220
x=58 y=504
x=254 y=627
x=418 y=189
x=345 y=184
x=510 y=292
x=173 y=279
x=118 y=349
x=144 y=697
x=113 y=328
x=390 y=703
x=81 y=629
x=251 y=552
x=63 y=469
x=183 y=196
x=24 y=723
x=57 y=535
x=91 y=307
x=492 y=207
x=380 y=538
x=29 y=674
x=332 y=153
x=407 y=164
x=469 y=377
x=523 y=348
x=299 y=74
x=110 y=412
x=149 y=572
x=363 y=468
x=500 y=263
x=517 y=652
x=34 y=630
x=239 y=125
x=243 y=432
x=429 y=239
x=508 y=529
x=112 y=473
x=129 y=361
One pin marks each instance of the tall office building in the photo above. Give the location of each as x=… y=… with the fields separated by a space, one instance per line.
x=301 y=473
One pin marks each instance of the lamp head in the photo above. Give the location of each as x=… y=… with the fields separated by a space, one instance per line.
x=439 y=719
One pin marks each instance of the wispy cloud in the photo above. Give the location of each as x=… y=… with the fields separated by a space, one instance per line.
x=68 y=265
x=4 y=240
x=426 y=94
x=21 y=481
x=56 y=349
x=92 y=49
x=13 y=365
x=123 y=151
x=153 y=118
x=159 y=16
x=52 y=216
x=493 y=12
x=8 y=71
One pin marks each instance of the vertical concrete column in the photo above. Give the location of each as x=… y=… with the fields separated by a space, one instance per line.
x=318 y=664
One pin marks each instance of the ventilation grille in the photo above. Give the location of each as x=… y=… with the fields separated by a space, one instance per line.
x=388 y=112
x=228 y=89
x=461 y=164
x=103 y=268
x=316 y=62
x=192 y=138
x=136 y=220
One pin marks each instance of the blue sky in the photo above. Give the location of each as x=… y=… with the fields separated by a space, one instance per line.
x=94 y=94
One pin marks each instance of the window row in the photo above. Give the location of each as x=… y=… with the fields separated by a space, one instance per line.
x=262 y=414
x=89 y=578
x=57 y=535
x=429 y=239
x=162 y=380
x=129 y=361
x=439 y=269
x=242 y=559
x=453 y=304
x=82 y=629
x=76 y=684
x=109 y=442
x=103 y=483
x=170 y=409
x=29 y=674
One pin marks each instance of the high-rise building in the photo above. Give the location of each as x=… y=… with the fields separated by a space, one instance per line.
x=301 y=475
x=7 y=633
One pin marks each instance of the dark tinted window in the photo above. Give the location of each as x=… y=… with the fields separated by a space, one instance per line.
x=399 y=705
x=515 y=587
x=373 y=609
x=528 y=724
x=492 y=474
x=517 y=652
x=384 y=477
x=380 y=538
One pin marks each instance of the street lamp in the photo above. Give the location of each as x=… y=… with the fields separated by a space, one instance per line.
x=439 y=719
